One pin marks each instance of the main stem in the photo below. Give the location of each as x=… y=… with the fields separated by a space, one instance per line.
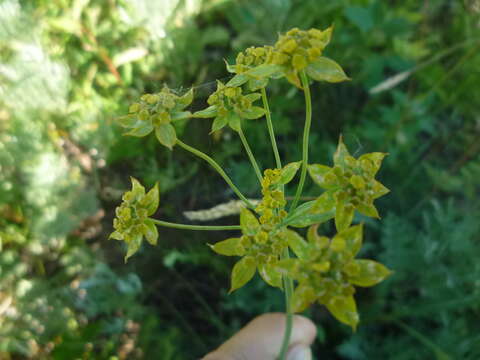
x=219 y=169
x=270 y=129
x=196 y=227
x=250 y=154
x=306 y=133
x=288 y=286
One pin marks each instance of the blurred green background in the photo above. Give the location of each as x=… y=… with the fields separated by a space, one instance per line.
x=69 y=67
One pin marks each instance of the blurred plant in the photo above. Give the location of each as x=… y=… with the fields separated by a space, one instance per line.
x=325 y=269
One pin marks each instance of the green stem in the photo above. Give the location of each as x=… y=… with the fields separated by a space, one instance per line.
x=270 y=129
x=219 y=169
x=250 y=154
x=306 y=133
x=288 y=286
x=196 y=227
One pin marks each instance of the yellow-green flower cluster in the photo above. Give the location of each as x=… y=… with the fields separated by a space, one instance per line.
x=350 y=185
x=259 y=249
x=273 y=201
x=294 y=52
x=156 y=112
x=327 y=272
x=252 y=57
x=132 y=221
x=228 y=105
x=297 y=49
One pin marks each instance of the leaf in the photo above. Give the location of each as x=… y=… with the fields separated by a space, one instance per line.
x=116 y=235
x=325 y=69
x=150 y=231
x=253 y=112
x=311 y=219
x=234 y=122
x=375 y=159
x=270 y=275
x=242 y=272
x=238 y=80
x=304 y=216
x=141 y=129
x=228 y=247
x=379 y=189
x=151 y=200
x=368 y=210
x=341 y=153
x=127 y=120
x=293 y=78
x=324 y=203
x=219 y=123
x=138 y=190
x=166 y=135
x=249 y=223
x=370 y=273
x=353 y=237
x=288 y=172
x=186 y=99
x=321 y=242
x=133 y=245
x=303 y=209
x=343 y=216
x=303 y=297
x=264 y=70
x=253 y=96
x=256 y=84
x=209 y=112
x=180 y=115
x=344 y=309
x=287 y=267
x=296 y=243
x=317 y=173
x=230 y=68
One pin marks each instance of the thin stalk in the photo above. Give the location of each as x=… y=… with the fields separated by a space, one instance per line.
x=288 y=286
x=196 y=227
x=219 y=169
x=306 y=133
x=270 y=129
x=250 y=154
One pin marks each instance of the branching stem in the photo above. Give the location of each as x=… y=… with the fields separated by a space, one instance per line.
x=195 y=227
x=306 y=133
x=219 y=169
x=250 y=154
x=270 y=129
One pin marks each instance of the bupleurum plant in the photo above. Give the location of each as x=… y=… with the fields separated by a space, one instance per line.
x=322 y=269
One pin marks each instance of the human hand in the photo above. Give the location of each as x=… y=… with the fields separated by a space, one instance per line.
x=262 y=337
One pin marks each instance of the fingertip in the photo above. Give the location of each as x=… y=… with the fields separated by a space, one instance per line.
x=306 y=328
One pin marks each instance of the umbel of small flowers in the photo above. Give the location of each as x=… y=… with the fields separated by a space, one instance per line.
x=324 y=270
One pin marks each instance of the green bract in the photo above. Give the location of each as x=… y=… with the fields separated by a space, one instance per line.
x=326 y=271
x=157 y=112
x=132 y=221
x=350 y=185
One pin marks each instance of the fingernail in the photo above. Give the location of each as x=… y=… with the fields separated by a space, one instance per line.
x=299 y=352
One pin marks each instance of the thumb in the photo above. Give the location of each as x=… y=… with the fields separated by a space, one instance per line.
x=299 y=352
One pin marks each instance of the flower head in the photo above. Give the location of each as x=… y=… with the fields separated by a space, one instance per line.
x=132 y=221
x=157 y=112
x=350 y=185
x=228 y=105
x=327 y=272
